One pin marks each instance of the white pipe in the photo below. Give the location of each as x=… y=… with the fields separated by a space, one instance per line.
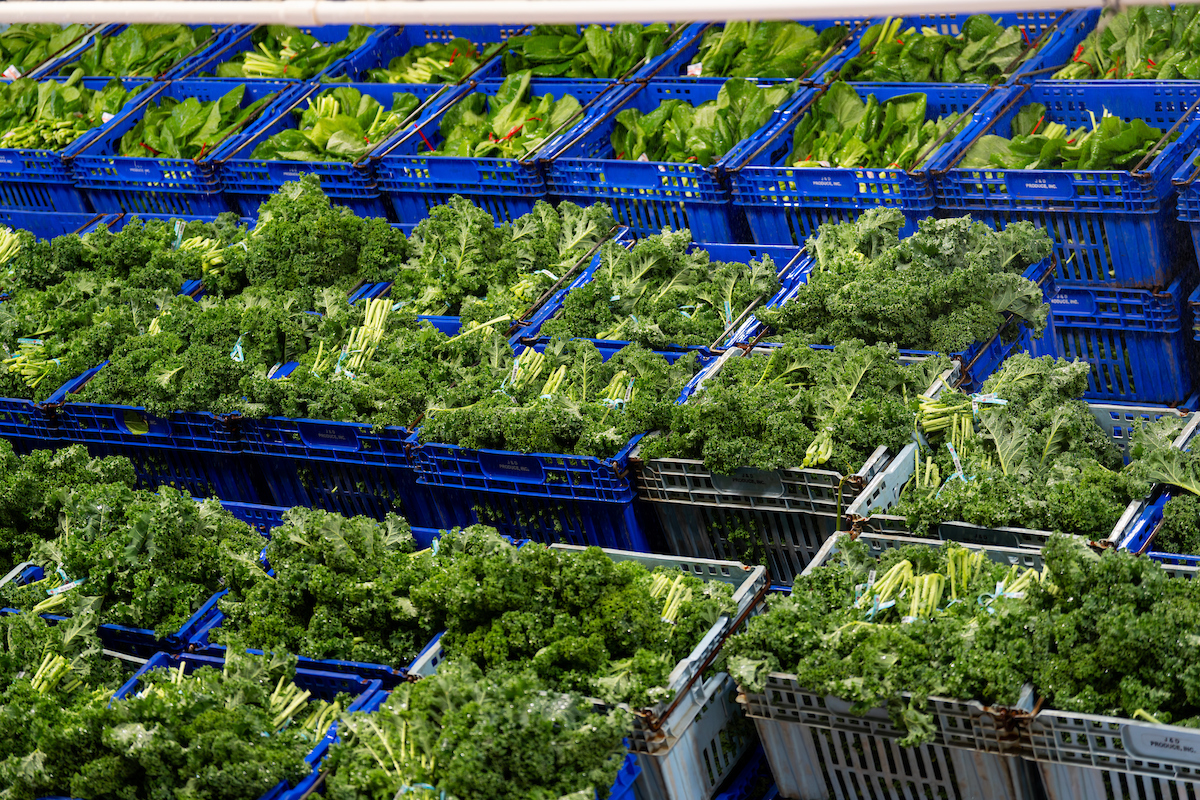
x=523 y=12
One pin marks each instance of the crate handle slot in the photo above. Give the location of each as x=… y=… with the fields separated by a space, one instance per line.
x=328 y=436
x=635 y=174
x=510 y=467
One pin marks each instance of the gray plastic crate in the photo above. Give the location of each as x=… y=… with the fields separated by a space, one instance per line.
x=869 y=511
x=688 y=747
x=817 y=749
x=792 y=512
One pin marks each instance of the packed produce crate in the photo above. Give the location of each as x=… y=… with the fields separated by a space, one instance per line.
x=143 y=50
x=801 y=172
x=482 y=146
x=697 y=720
x=156 y=158
x=1054 y=153
x=441 y=54
x=656 y=152
x=281 y=52
x=31 y=49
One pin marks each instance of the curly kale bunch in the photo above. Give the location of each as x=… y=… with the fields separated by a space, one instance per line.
x=340 y=591
x=798 y=406
x=567 y=399
x=462 y=264
x=211 y=735
x=942 y=289
x=1040 y=461
x=152 y=559
x=579 y=620
x=502 y=736
x=34 y=488
x=1094 y=633
x=660 y=292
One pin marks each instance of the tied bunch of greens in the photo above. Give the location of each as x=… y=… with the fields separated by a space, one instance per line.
x=983 y=52
x=841 y=130
x=188 y=128
x=512 y=123
x=216 y=734
x=340 y=589
x=660 y=292
x=51 y=115
x=561 y=51
x=578 y=620
x=1032 y=456
x=25 y=45
x=338 y=125
x=676 y=131
x=141 y=50
x=463 y=734
x=798 y=406
x=436 y=62
x=149 y=560
x=279 y=51
x=944 y=288
x=1150 y=43
x=1037 y=143
x=1092 y=634
x=462 y=264
x=567 y=399
x=774 y=49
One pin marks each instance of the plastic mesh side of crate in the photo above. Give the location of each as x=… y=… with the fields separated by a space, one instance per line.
x=785 y=205
x=46 y=225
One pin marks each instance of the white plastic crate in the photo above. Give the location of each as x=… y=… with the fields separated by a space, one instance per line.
x=687 y=747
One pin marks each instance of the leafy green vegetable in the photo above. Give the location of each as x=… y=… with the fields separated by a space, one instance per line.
x=279 y=51
x=773 y=49
x=840 y=130
x=983 y=52
x=1151 y=43
x=797 y=406
x=338 y=125
x=1111 y=144
x=1180 y=531
x=944 y=288
x=561 y=51
x=151 y=560
x=657 y=293
x=1094 y=634
x=436 y=62
x=141 y=50
x=188 y=128
x=211 y=735
x=50 y=115
x=471 y=735
x=1041 y=461
x=512 y=123
x=678 y=131
x=26 y=45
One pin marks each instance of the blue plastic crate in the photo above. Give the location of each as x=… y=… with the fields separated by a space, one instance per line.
x=41 y=180
x=415 y=182
x=785 y=257
x=407 y=37
x=154 y=185
x=648 y=196
x=1109 y=227
x=26 y=425
x=1138 y=341
x=680 y=35
x=976 y=363
x=45 y=225
x=786 y=205
x=1188 y=209
x=247 y=181
x=244 y=41
x=1050 y=34
x=748 y=783
x=679 y=58
x=323 y=685
x=262 y=518
x=220 y=36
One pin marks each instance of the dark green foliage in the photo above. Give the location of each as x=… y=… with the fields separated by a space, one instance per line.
x=49 y=115
x=582 y=622
x=562 y=51
x=1180 y=531
x=340 y=591
x=188 y=129
x=1151 y=43
x=141 y=50
x=281 y=51
x=435 y=62
x=25 y=45
x=943 y=289
x=658 y=293
x=771 y=49
x=502 y=736
x=1039 y=462
x=514 y=122
x=983 y=52
x=798 y=406
x=339 y=124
